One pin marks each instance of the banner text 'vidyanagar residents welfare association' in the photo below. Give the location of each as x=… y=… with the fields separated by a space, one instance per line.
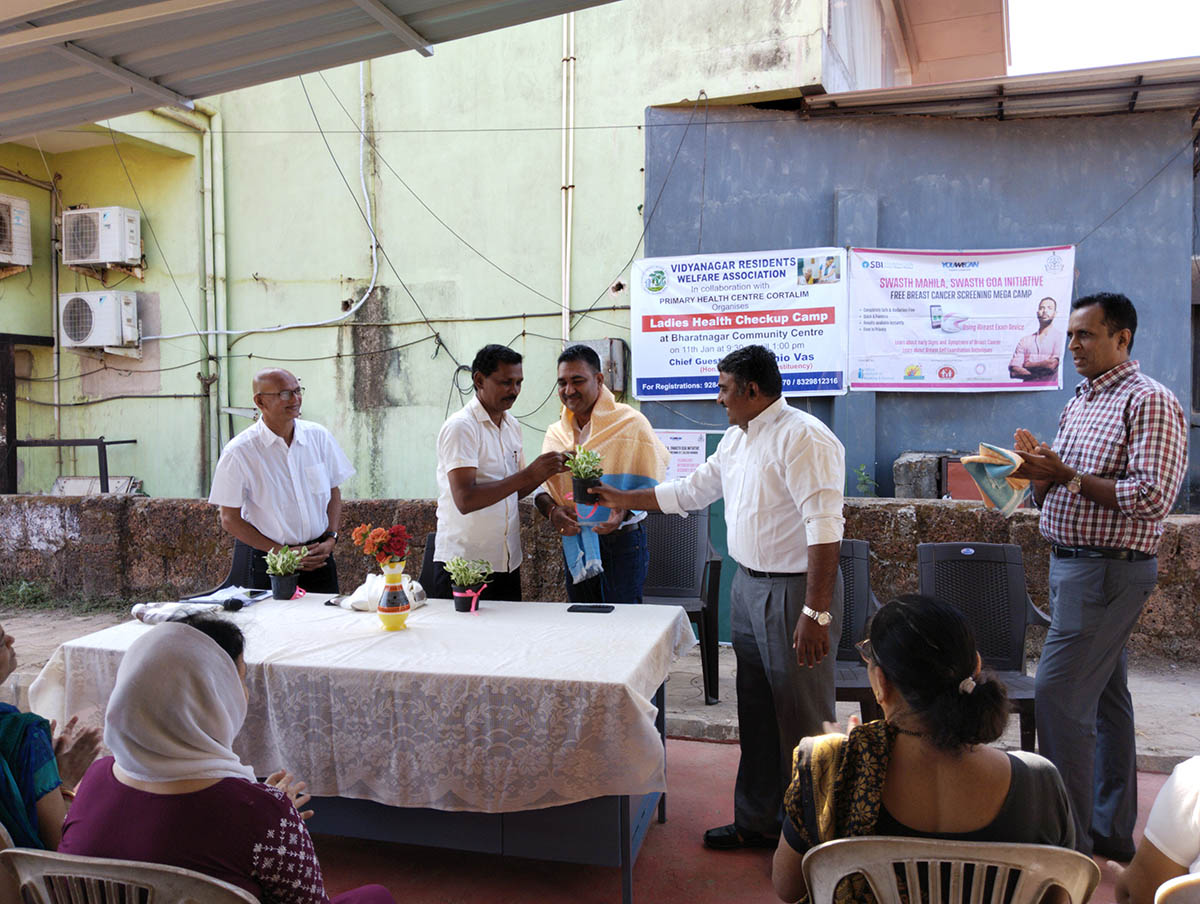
x=689 y=312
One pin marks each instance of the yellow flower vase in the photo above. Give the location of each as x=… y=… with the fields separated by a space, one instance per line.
x=393 y=605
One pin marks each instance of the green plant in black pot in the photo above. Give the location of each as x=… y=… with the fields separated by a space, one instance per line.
x=282 y=565
x=586 y=471
x=467 y=577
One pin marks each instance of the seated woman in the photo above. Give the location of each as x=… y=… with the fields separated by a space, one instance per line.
x=925 y=769
x=1171 y=845
x=175 y=793
x=34 y=767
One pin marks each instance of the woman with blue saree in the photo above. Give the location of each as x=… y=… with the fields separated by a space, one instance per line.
x=32 y=804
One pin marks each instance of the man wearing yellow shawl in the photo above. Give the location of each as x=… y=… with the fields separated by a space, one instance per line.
x=605 y=549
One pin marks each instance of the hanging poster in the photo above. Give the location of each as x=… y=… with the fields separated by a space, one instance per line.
x=687 y=448
x=959 y=321
x=690 y=312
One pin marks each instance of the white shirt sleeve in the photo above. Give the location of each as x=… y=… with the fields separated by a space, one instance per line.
x=458 y=445
x=1174 y=823
x=815 y=473
x=229 y=482
x=699 y=489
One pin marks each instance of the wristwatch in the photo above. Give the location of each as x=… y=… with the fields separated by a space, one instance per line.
x=821 y=618
x=330 y=534
x=1075 y=484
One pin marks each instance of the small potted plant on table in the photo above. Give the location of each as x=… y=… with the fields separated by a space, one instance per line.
x=468 y=577
x=282 y=565
x=586 y=471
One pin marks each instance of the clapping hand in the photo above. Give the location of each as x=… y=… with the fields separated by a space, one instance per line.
x=295 y=790
x=74 y=750
x=1041 y=462
x=836 y=728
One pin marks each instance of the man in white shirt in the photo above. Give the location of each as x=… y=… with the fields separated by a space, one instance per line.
x=277 y=484
x=481 y=475
x=781 y=473
x=1171 y=843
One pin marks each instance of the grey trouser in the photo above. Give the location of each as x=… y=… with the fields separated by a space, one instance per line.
x=779 y=702
x=1084 y=711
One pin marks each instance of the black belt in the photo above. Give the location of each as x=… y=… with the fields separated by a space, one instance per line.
x=772 y=574
x=625 y=527
x=1100 y=552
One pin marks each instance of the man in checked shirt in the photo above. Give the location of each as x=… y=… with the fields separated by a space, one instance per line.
x=1104 y=487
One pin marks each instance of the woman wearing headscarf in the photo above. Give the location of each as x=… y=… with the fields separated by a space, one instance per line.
x=175 y=793
x=925 y=769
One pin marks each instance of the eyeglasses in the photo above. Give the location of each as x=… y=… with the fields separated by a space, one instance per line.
x=864 y=650
x=287 y=395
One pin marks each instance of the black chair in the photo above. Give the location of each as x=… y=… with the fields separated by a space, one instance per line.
x=241 y=572
x=859 y=603
x=987 y=582
x=426 y=579
x=686 y=571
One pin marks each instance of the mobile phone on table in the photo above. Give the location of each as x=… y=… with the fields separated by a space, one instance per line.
x=590 y=607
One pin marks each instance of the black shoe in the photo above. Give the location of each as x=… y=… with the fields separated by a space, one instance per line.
x=1112 y=850
x=730 y=838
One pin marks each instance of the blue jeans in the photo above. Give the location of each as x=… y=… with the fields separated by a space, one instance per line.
x=626 y=559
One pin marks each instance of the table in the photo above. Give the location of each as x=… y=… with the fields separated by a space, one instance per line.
x=524 y=729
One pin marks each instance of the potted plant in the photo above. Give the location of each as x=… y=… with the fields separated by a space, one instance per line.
x=282 y=565
x=586 y=471
x=468 y=577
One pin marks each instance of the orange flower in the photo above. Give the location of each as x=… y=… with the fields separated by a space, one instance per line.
x=359 y=533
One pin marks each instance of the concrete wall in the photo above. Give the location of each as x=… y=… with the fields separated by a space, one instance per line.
x=156 y=548
x=471 y=137
x=918 y=182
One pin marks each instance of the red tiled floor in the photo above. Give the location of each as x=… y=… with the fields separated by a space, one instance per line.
x=673 y=865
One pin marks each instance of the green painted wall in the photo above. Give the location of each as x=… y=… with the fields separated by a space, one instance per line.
x=475 y=134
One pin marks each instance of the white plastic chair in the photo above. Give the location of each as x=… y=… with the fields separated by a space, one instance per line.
x=49 y=878
x=1031 y=870
x=1180 y=890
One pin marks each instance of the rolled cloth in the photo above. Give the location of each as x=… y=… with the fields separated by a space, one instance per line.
x=177 y=705
x=633 y=457
x=992 y=470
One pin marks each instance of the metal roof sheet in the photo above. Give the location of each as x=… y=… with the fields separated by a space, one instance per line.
x=67 y=62
x=1136 y=87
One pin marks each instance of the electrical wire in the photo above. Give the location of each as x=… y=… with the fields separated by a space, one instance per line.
x=1190 y=143
x=703 y=172
x=650 y=217
x=430 y=210
x=379 y=245
x=154 y=235
x=375 y=246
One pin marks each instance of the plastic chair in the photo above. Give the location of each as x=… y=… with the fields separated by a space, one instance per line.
x=48 y=878
x=1180 y=890
x=995 y=872
x=987 y=582
x=6 y=840
x=685 y=571
x=859 y=603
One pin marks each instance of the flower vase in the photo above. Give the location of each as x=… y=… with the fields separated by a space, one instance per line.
x=393 y=605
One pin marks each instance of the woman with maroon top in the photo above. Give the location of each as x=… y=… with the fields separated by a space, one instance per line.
x=175 y=793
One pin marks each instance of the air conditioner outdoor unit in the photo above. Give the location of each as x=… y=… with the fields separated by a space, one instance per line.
x=98 y=319
x=15 y=245
x=101 y=235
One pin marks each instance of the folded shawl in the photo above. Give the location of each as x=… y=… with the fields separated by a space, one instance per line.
x=633 y=456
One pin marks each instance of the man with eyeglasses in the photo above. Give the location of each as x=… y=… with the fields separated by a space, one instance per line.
x=277 y=485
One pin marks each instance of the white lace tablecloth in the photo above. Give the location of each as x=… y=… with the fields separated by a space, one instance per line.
x=520 y=707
